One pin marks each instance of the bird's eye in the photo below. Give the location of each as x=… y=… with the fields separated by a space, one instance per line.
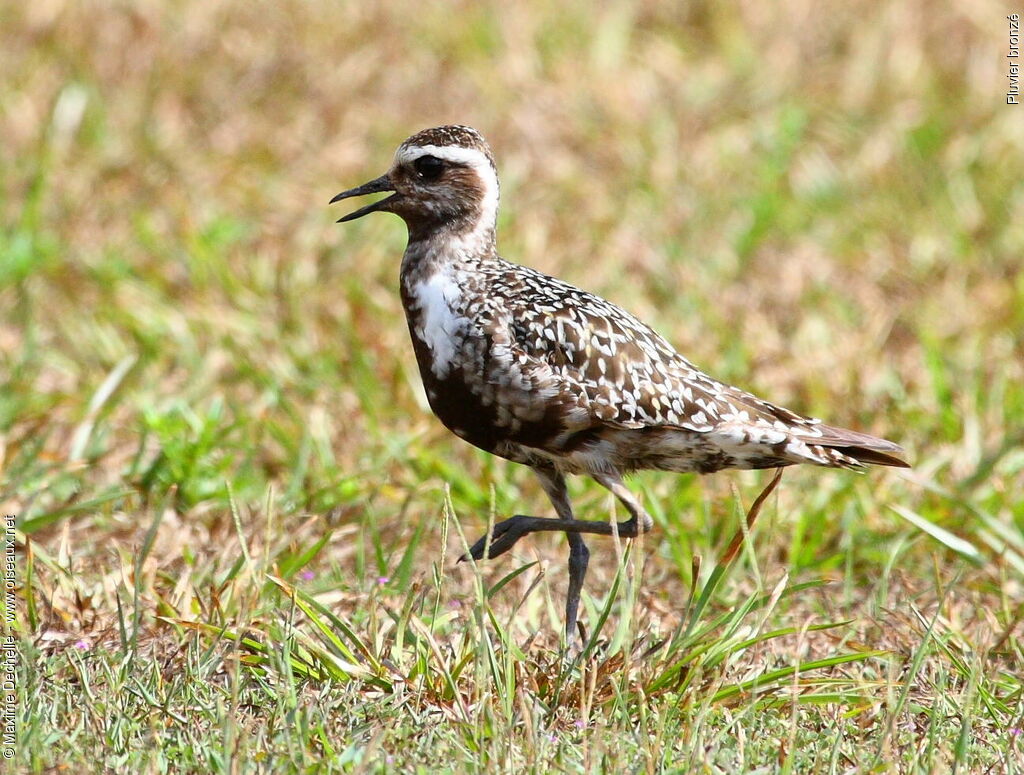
x=428 y=167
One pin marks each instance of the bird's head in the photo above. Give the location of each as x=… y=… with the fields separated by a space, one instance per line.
x=444 y=180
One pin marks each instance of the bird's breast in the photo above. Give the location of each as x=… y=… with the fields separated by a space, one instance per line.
x=439 y=322
x=473 y=381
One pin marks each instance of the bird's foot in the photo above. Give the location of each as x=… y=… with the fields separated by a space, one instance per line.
x=502 y=538
x=575 y=641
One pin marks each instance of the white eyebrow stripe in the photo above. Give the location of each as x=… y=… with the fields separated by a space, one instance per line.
x=452 y=153
x=471 y=157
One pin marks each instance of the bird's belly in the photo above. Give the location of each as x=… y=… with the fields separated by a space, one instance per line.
x=462 y=411
x=488 y=415
x=469 y=388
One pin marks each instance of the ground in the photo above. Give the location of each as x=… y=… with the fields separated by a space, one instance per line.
x=237 y=521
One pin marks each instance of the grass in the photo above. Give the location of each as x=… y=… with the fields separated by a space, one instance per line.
x=237 y=520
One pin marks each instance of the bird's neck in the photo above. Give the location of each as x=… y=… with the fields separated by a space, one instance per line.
x=434 y=250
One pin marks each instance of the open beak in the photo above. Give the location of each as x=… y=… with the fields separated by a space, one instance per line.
x=383 y=183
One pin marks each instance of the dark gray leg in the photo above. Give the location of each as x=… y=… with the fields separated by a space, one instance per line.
x=554 y=485
x=508 y=531
x=638 y=516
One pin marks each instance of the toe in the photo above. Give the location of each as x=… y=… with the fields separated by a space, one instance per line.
x=502 y=538
x=476 y=551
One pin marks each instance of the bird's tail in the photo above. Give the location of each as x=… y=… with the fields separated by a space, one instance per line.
x=865 y=449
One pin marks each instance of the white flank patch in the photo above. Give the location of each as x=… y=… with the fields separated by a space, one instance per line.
x=442 y=330
x=471 y=157
x=595 y=457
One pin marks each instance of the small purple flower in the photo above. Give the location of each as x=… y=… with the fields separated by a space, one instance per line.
x=82 y=645
x=580 y=724
x=307 y=575
x=383 y=580
x=1015 y=732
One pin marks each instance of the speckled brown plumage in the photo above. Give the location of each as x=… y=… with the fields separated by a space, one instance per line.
x=543 y=373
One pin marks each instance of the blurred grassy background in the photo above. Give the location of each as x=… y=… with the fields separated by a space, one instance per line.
x=823 y=203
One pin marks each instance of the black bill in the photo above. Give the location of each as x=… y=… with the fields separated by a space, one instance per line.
x=383 y=183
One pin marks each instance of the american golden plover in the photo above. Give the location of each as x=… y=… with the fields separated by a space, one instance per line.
x=539 y=372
